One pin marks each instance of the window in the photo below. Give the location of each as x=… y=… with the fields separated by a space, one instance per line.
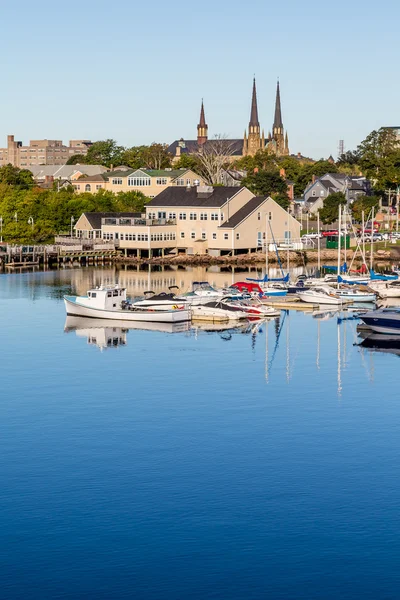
x=182 y=234
x=98 y=186
x=322 y=192
x=226 y=236
x=171 y=215
x=203 y=236
x=313 y=193
x=193 y=235
x=287 y=235
x=238 y=236
x=193 y=216
x=188 y=181
x=270 y=216
x=151 y=215
x=182 y=216
x=203 y=216
x=162 y=215
x=116 y=181
x=259 y=216
x=180 y=182
x=214 y=216
x=161 y=181
x=222 y=217
x=139 y=181
x=214 y=236
x=87 y=187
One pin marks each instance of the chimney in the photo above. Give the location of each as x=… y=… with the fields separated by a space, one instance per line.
x=255 y=170
x=314 y=178
x=282 y=173
x=178 y=152
x=49 y=179
x=111 y=167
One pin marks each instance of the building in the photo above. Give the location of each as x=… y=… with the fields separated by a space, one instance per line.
x=64 y=172
x=89 y=225
x=40 y=152
x=195 y=220
x=253 y=140
x=149 y=181
x=322 y=187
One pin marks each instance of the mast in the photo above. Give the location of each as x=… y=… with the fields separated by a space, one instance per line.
x=319 y=244
x=371 y=260
x=266 y=244
x=339 y=244
x=363 y=237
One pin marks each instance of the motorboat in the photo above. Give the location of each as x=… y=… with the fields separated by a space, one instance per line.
x=201 y=293
x=161 y=301
x=218 y=311
x=254 y=307
x=383 y=320
x=386 y=289
x=321 y=295
x=267 y=291
x=110 y=302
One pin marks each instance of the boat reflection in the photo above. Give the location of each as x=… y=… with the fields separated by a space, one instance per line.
x=380 y=342
x=113 y=333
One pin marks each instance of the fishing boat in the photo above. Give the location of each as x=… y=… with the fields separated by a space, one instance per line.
x=110 y=302
x=383 y=320
x=321 y=295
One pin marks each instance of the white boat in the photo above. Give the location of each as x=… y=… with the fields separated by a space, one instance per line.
x=111 y=303
x=201 y=293
x=354 y=295
x=254 y=307
x=217 y=311
x=162 y=301
x=321 y=295
x=386 y=289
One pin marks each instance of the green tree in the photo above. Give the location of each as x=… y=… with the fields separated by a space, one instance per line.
x=364 y=203
x=104 y=152
x=330 y=211
x=22 y=178
x=76 y=159
x=265 y=183
x=188 y=161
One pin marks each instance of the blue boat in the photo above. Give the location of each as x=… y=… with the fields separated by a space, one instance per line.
x=380 y=277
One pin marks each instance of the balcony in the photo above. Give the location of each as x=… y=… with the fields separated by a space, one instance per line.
x=126 y=222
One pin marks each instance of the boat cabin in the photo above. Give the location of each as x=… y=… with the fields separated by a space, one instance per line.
x=104 y=298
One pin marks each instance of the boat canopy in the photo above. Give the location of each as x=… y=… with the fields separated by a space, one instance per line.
x=266 y=279
x=343 y=268
x=380 y=277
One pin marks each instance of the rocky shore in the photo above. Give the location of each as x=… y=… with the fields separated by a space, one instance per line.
x=296 y=258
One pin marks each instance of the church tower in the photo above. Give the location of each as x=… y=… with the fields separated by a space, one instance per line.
x=278 y=134
x=252 y=142
x=202 y=127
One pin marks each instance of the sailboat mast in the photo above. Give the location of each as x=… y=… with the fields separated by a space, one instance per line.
x=339 y=243
x=266 y=244
x=363 y=236
x=319 y=244
x=371 y=260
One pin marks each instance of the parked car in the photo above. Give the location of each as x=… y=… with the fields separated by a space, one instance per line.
x=330 y=232
x=375 y=237
x=311 y=236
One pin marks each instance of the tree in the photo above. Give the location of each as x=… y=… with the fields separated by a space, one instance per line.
x=330 y=211
x=76 y=159
x=364 y=203
x=188 y=161
x=105 y=152
x=379 y=158
x=213 y=158
x=22 y=178
x=265 y=183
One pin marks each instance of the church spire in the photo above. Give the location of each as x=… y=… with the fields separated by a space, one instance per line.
x=278 y=111
x=254 y=110
x=202 y=127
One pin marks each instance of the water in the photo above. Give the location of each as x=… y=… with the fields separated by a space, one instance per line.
x=250 y=464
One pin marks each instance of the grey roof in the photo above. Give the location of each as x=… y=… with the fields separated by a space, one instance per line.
x=182 y=196
x=244 y=212
x=328 y=184
x=64 y=171
x=95 y=218
x=191 y=146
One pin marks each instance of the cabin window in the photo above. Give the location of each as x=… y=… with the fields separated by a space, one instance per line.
x=115 y=293
x=94 y=294
x=109 y=294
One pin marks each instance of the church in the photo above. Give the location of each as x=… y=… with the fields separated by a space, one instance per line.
x=253 y=140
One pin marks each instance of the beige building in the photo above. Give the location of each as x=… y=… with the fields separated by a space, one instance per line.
x=40 y=152
x=150 y=182
x=197 y=220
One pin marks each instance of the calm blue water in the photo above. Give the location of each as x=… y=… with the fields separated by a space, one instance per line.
x=193 y=465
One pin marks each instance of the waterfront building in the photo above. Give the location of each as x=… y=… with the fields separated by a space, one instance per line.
x=253 y=140
x=149 y=181
x=40 y=152
x=196 y=220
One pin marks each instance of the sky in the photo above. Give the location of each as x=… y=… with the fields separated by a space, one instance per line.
x=137 y=72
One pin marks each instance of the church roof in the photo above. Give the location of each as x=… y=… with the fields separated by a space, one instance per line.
x=254 y=110
x=202 y=116
x=278 y=110
x=191 y=146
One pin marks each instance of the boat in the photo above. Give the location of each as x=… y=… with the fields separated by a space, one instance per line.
x=383 y=320
x=162 y=301
x=254 y=307
x=379 y=342
x=201 y=293
x=355 y=295
x=274 y=289
x=386 y=289
x=218 y=311
x=382 y=277
x=110 y=302
x=321 y=295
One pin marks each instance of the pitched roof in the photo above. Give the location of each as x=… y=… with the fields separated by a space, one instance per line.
x=64 y=171
x=278 y=110
x=95 y=218
x=173 y=173
x=192 y=146
x=100 y=177
x=254 y=111
x=244 y=212
x=202 y=116
x=195 y=196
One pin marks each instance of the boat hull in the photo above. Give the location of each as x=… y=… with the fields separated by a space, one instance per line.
x=75 y=309
x=315 y=299
x=382 y=325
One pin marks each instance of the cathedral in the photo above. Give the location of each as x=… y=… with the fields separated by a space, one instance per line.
x=254 y=140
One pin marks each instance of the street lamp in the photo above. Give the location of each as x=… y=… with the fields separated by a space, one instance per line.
x=72 y=224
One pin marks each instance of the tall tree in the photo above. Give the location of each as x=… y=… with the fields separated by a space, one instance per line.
x=22 y=178
x=265 y=183
x=213 y=158
x=330 y=211
x=105 y=152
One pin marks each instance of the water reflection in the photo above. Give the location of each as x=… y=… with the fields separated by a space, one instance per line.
x=380 y=342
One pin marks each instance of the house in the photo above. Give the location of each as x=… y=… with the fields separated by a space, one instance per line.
x=195 y=220
x=149 y=181
x=89 y=225
x=42 y=173
x=322 y=187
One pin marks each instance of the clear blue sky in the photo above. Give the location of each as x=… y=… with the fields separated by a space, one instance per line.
x=137 y=71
